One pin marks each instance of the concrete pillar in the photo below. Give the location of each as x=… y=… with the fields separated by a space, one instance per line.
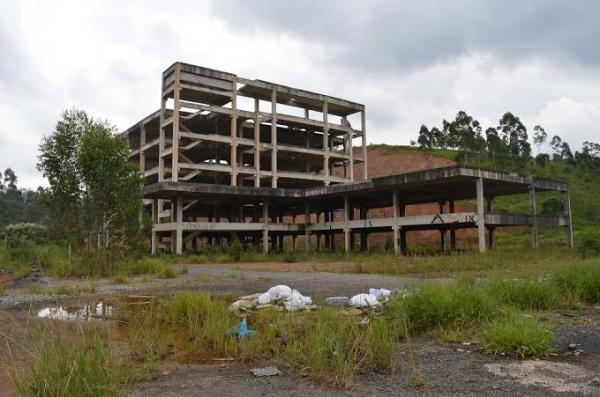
x=480 y=214
x=443 y=229
x=331 y=233
x=364 y=235
x=274 y=138
x=175 y=144
x=350 y=155
x=326 y=142
x=402 y=231
x=363 y=120
x=452 y=230
x=491 y=233
x=256 y=143
x=265 y=231
x=346 y=225
x=395 y=212
x=567 y=209
x=306 y=223
x=233 y=155
x=179 y=231
x=534 y=223
x=154 y=244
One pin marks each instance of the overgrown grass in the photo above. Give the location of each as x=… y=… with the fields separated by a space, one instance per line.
x=80 y=362
x=524 y=294
x=519 y=334
x=581 y=281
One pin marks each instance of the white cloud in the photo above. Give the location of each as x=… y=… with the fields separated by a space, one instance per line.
x=107 y=57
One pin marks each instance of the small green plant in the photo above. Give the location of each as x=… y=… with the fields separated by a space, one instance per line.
x=524 y=294
x=71 y=363
x=588 y=243
x=581 y=281
x=519 y=334
x=120 y=278
x=235 y=249
x=167 y=272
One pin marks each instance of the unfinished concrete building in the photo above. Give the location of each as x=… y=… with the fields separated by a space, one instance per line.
x=230 y=156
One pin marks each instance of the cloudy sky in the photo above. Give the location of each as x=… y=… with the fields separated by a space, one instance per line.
x=410 y=62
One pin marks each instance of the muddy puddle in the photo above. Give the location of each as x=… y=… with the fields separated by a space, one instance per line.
x=95 y=311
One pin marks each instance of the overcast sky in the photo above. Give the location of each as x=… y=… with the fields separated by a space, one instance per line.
x=409 y=62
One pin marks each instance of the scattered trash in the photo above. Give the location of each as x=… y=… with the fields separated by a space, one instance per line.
x=71 y=313
x=266 y=371
x=381 y=294
x=467 y=343
x=363 y=300
x=337 y=301
x=241 y=330
x=572 y=346
x=279 y=297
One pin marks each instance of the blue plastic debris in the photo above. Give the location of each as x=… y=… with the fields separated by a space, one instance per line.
x=241 y=330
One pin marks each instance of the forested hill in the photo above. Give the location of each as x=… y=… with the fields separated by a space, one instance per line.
x=584 y=182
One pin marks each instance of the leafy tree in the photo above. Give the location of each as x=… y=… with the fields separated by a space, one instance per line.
x=556 y=145
x=514 y=135
x=539 y=137
x=464 y=134
x=542 y=159
x=10 y=179
x=94 y=193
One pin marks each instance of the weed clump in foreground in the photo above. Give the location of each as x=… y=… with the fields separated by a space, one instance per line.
x=581 y=282
x=78 y=362
x=524 y=294
x=519 y=334
x=460 y=304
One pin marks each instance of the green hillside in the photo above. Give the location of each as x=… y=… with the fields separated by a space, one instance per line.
x=584 y=183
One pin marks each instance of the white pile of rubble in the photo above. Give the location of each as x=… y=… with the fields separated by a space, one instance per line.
x=279 y=297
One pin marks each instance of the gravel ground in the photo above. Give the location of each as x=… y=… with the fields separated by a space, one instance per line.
x=448 y=372
x=450 y=369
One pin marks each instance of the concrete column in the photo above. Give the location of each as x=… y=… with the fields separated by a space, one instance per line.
x=306 y=223
x=234 y=130
x=351 y=155
x=452 y=230
x=534 y=223
x=326 y=142
x=256 y=143
x=395 y=212
x=403 y=245
x=567 y=209
x=332 y=233
x=364 y=235
x=265 y=230
x=274 y=138
x=363 y=119
x=480 y=214
x=179 y=232
x=442 y=230
x=346 y=225
x=154 y=244
x=175 y=144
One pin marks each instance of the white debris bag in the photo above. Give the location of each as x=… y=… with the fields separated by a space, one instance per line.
x=296 y=301
x=277 y=292
x=381 y=294
x=363 y=300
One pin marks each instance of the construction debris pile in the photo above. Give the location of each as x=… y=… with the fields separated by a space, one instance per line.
x=279 y=297
x=284 y=298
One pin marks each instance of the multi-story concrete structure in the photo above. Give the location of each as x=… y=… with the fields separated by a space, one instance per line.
x=229 y=155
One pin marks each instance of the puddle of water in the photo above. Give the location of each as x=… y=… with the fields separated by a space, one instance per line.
x=82 y=312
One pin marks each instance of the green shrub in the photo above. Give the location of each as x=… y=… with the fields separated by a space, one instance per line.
x=64 y=363
x=588 y=243
x=524 y=294
x=167 y=272
x=455 y=305
x=235 y=249
x=519 y=334
x=581 y=281
x=25 y=234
